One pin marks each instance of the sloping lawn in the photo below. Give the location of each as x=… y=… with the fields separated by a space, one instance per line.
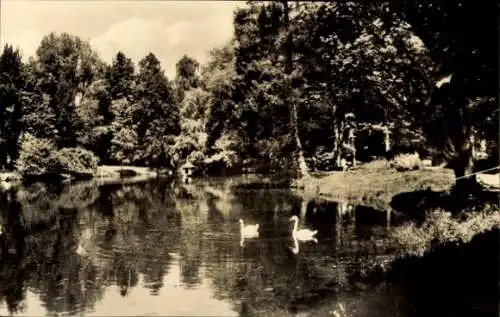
x=376 y=184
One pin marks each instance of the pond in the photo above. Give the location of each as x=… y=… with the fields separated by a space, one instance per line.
x=160 y=248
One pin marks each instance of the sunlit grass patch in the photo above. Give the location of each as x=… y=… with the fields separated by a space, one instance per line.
x=381 y=164
x=441 y=228
x=378 y=183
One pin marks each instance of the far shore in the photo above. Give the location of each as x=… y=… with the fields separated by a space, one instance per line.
x=103 y=172
x=374 y=184
x=117 y=171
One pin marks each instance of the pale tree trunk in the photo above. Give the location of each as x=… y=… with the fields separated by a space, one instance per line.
x=298 y=158
x=298 y=161
x=342 y=142
x=337 y=142
x=387 y=141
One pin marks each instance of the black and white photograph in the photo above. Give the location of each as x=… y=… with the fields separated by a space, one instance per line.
x=249 y=158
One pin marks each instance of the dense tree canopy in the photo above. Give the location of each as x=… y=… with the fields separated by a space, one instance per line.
x=65 y=66
x=463 y=111
x=296 y=75
x=186 y=76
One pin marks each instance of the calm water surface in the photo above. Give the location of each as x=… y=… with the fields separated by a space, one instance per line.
x=156 y=248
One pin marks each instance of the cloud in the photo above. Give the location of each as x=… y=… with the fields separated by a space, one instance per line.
x=169 y=29
x=135 y=37
x=26 y=40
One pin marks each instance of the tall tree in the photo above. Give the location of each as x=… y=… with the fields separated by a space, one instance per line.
x=94 y=120
x=190 y=144
x=298 y=155
x=120 y=77
x=262 y=112
x=186 y=76
x=65 y=66
x=193 y=107
x=118 y=86
x=464 y=109
x=125 y=142
x=12 y=85
x=155 y=113
x=38 y=117
x=349 y=64
x=218 y=78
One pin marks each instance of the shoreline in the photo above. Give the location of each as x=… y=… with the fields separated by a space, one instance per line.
x=374 y=187
x=118 y=171
x=105 y=173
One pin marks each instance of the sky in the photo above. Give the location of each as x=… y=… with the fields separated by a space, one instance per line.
x=168 y=29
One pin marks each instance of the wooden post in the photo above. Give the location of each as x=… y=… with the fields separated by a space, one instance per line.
x=387 y=140
x=352 y=143
x=388 y=216
x=303 y=209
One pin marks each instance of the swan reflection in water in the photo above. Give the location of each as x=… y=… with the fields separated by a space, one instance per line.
x=248 y=232
x=295 y=249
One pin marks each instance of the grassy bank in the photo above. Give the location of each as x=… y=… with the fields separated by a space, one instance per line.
x=441 y=228
x=377 y=183
x=452 y=279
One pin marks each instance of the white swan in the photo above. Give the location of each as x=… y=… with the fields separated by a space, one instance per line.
x=302 y=234
x=248 y=231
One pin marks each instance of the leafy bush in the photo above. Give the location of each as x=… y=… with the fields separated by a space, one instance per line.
x=274 y=154
x=227 y=158
x=324 y=159
x=76 y=161
x=40 y=157
x=184 y=145
x=197 y=158
x=36 y=156
x=124 y=146
x=269 y=149
x=228 y=149
x=405 y=162
x=441 y=228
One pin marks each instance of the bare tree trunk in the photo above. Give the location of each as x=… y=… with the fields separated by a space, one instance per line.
x=463 y=167
x=299 y=160
x=338 y=142
x=299 y=163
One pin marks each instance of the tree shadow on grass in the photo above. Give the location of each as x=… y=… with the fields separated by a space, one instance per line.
x=414 y=205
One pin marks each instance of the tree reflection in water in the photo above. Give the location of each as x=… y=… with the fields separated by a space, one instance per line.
x=71 y=245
